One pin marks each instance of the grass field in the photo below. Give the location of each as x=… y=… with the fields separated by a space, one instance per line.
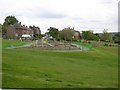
x=7 y=43
x=34 y=68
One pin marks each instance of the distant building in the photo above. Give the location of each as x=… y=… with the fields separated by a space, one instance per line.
x=76 y=35
x=36 y=31
x=17 y=30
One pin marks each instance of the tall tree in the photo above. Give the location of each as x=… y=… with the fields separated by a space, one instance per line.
x=87 y=35
x=53 y=32
x=66 y=34
x=96 y=36
x=116 y=37
x=105 y=35
x=9 y=20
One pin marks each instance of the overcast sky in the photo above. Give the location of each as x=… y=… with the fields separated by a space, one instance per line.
x=94 y=15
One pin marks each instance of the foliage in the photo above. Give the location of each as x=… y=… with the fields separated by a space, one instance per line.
x=88 y=35
x=96 y=36
x=9 y=20
x=116 y=38
x=66 y=34
x=53 y=32
x=105 y=35
x=38 y=35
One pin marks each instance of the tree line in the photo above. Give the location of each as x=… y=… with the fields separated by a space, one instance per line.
x=66 y=34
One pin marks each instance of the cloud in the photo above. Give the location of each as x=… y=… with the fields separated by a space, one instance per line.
x=52 y=15
x=80 y=14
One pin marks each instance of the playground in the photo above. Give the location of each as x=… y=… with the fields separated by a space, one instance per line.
x=47 y=44
x=74 y=46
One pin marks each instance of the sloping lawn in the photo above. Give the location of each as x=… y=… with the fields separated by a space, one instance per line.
x=83 y=44
x=7 y=43
x=33 y=68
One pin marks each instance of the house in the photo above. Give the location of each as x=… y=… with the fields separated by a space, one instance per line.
x=76 y=35
x=17 y=30
x=36 y=30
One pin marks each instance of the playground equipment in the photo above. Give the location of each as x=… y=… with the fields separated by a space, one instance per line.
x=44 y=42
x=48 y=43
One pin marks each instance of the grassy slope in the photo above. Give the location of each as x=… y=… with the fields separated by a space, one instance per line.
x=83 y=44
x=8 y=43
x=32 y=68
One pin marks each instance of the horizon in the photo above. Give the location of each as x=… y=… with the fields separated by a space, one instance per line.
x=74 y=29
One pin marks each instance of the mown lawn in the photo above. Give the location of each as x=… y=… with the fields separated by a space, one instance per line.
x=7 y=43
x=33 y=68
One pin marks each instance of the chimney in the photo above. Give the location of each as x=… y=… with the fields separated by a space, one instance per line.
x=24 y=25
x=20 y=23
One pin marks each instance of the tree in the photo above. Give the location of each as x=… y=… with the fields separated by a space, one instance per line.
x=38 y=35
x=105 y=35
x=85 y=35
x=66 y=34
x=9 y=20
x=96 y=36
x=116 y=38
x=89 y=35
x=53 y=32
